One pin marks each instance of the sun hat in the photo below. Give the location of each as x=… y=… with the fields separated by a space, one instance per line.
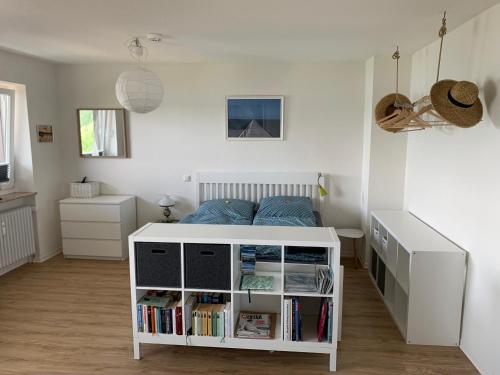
x=457 y=102
x=386 y=106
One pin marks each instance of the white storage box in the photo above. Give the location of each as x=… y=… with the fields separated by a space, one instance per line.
x=85 y=190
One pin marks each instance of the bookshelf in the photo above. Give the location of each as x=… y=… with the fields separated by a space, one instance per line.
x=265 y=301
x=420 y=275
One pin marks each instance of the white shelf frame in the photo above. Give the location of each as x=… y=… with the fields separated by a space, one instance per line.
x=422 y=257
x=277 y=344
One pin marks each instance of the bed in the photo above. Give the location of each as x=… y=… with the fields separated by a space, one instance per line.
x=261 y=198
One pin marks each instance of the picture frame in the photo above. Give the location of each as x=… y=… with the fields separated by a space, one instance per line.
x=257 y=118
x=45 y=133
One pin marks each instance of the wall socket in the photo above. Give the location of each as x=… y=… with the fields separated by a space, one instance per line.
x=186 y=178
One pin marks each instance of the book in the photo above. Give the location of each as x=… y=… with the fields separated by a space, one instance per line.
x=287 y=322
x=140 y=326
x=227 y=320
x=178 y=318
x=256 y=282
x=252 y=325
x=330 y=321
x=188 y=309
x=322 y=320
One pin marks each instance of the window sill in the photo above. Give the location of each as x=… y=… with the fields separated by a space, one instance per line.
x=9 y=197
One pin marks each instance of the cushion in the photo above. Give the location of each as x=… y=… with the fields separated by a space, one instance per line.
x=222 y=211
x=285 y=211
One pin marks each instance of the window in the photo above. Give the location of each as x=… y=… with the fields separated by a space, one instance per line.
x=6 y=138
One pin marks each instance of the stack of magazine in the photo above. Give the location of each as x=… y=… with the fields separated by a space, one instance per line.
x=252 y=325
x=319 y=282
x=324 y=277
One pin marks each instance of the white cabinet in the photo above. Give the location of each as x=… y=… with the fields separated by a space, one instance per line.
x=420 y=275
x=97 y=227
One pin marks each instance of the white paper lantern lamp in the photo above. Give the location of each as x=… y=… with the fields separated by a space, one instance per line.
x=139 y=90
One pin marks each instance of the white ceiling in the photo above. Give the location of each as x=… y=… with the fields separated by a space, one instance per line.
x=80 y=31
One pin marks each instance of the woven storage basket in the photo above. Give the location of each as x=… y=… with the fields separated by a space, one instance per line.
x=85 y=190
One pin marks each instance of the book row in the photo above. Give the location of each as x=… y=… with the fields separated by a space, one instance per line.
x=293 y=320
x=210 y=319
x=160 y=312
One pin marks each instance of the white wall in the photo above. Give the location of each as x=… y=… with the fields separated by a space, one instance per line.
x=323 y=129
x=384 y=153
x=453 y=177
x=38 y=77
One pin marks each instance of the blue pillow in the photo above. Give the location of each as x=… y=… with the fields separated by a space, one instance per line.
x=285 y=211
x=222 y=211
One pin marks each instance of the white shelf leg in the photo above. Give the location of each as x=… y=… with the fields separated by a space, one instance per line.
x=333 y=360
x=133 y=297
x=137 y=349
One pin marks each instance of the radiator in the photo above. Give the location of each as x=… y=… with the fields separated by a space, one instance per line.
x=17 y=239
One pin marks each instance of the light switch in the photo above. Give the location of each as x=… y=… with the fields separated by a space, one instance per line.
x=186 y=178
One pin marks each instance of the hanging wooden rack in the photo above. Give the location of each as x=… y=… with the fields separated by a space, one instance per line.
x=420 y=114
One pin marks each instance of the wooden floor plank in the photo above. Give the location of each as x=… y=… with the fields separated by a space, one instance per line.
x=73 y=317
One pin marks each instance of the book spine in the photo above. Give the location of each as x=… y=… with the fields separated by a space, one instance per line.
x=145 y=319
x=171 y=318
x=209 y=322
x=150 y=325
x=139 y=318
x=285 y=320
x=193 y=323
x=294 y=319
x=330 y=321
x=215 y=322
x=322 y=319
x=297 y=320
x=178 y=319
x=159 y=326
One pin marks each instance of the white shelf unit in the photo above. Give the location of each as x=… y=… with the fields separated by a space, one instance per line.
x=420 y=275
x=261 y=301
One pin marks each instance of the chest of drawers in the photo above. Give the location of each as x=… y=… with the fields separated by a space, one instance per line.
x=97 y=228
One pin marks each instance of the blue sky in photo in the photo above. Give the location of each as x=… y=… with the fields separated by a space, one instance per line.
x=249 y=109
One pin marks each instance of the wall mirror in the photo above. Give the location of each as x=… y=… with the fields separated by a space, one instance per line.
x=102 y=132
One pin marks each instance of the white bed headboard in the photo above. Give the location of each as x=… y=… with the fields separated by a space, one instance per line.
x=253 y=186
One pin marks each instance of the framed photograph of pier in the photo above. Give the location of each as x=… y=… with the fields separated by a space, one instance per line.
x=254 y=118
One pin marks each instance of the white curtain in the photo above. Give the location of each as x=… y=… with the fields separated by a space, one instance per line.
x=105 y=141
x=4 y=121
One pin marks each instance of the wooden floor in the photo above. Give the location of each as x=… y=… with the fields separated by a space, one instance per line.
x=73 y=317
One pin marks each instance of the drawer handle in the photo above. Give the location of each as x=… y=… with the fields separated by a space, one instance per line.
x=158 y=251
x=207 y=253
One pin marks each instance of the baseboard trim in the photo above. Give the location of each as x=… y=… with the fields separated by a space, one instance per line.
x=471 y=359
x=15 y=265
x=48 y=256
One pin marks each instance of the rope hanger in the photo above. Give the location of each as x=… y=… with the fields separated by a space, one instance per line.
x=442 y=33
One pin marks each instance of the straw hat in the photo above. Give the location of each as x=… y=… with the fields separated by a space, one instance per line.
x=457 y=102
x=385 y=106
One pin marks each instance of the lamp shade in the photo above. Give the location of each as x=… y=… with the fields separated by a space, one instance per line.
x=139 y=90
x=166 y=201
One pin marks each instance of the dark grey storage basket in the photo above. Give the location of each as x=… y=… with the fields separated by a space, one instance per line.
x=158 y=264
x=207 y=266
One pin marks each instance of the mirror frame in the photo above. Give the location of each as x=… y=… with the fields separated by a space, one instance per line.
x=125 y=143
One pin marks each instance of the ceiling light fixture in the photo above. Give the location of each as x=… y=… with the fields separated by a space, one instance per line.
x=139 y=90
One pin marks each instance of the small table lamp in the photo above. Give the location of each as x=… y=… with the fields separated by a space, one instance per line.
x=166 y=202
